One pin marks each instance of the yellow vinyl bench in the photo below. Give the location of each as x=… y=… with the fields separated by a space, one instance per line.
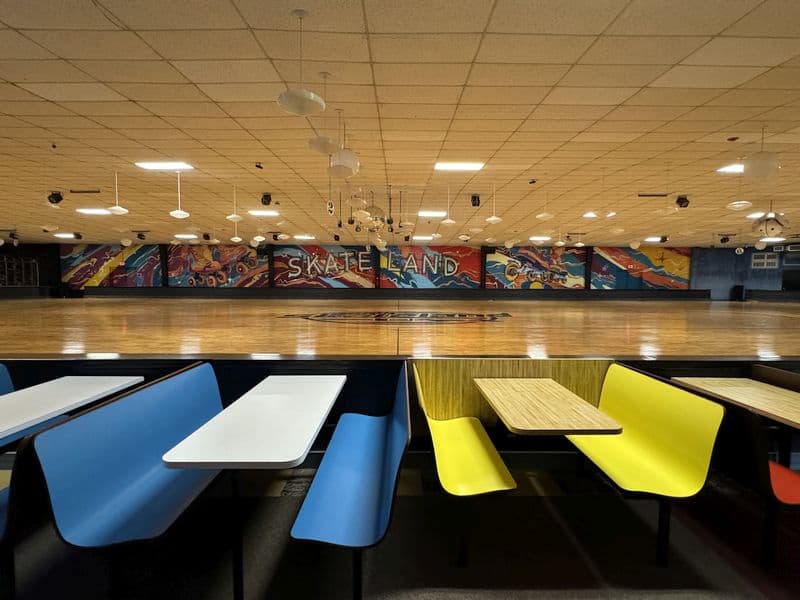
x=466 y=460
x=665 y=447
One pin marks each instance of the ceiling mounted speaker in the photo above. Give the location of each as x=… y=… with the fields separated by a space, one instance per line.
x=301 y=102
x=324 y=144
x=344 y=164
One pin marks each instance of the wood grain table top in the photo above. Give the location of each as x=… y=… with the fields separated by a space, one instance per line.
x=543 y=407
x=767 y=400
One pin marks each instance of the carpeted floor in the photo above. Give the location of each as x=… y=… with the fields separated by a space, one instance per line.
x=562 y=534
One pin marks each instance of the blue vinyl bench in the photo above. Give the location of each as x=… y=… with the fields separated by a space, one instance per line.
x=6 y=385
x=350 y=501
x=101 y=469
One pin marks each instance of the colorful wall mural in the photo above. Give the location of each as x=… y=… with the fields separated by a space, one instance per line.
x=649 y=267
x=531 y=267
x=216 y=266
x=324 y=267
x=430 y=267
x=110 y=265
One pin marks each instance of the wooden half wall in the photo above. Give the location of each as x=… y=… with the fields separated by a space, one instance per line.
x=449 y=391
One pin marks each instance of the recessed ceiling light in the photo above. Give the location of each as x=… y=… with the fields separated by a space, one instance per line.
x=540 y=238
x=263 y=213
x=589 y=214
x=579 y=244
x=544 y=216
x=771 y=240
x=64 y=235
x=732 y=168
x=458 y=166
x=655 y=239
x=739 y=204
x=756 y=215
x=165 y=166
x=93 y=211
x=185 y=236
x=422 y=238
x=433 y=214
x=610 y=214
x=304 y=236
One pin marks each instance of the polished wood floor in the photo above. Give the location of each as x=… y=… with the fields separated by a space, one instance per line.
x=260 y=327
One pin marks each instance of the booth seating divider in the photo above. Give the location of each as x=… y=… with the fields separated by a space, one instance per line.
x=349 y=502
x=99 y=475
x=665 y=447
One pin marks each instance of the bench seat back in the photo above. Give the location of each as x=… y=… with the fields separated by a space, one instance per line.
x=103 y=470
x=6 y=385
x=398 y=435
x=677 y=425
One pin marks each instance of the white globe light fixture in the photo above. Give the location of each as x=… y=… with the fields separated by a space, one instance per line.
x=344 y=163
x=179 y=213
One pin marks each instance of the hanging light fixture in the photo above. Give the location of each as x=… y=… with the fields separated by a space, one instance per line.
x=344 y=163
x=234 y=216
x=761 y=165
x=404 y=223
x=493 y=219
x=545 y=215
x=117 y=209
x=236 y=239
x=300 y=101
x=323 y=143
x=179 y=213
x=448 y=221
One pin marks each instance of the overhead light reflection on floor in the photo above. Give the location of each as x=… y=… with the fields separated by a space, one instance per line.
x=537 y=351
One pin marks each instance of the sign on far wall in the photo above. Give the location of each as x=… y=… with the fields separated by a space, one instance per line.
x=216 y=266
x=110 y=265
x=430 y=267
x=650 y=267
x=531 y=267
x=324 y=267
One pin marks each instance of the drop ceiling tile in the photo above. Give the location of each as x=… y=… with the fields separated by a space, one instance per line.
x=420 y=74
x=504 y=95
x=680 y=17
x=621 y=50
x=317 y=46
x=155 y=92
x=497 y=111
x=696 y=125
x=742 y=97
x=323 y=15
x=236 y=109
x=554 y=49
x=40 y=70
x=706 y=77
x=673 y=96
x=14 y=45
x=773 y=18
x=12 y=92
x=186 y=14
x=278 y=123
x=424 y=48
x=104 y=45
x=573 y=125
x=73 y=91
x=732 y=113
x=105 y=108
x=228 y=71
x=739 y=51
x=612 y=75
x=77 y=14
x=339 y=72
x=412 y=124
x=508 y=125
x=554 y=16
x=131 y=71
x=422 y=16
x=425 y=94
x=417 y=111
x=362 y=94
x=638 y=126
x=593 y=96
x=779 y=79
x=195 y=45
x=132 y=122
x=70 y=122
x=570 y=112
x=512 y=75
x=646 y=113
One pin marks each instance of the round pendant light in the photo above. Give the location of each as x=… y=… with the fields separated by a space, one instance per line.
x=493 y=219
x=117 y=209
x=234 y=217
x=344 y=164
x=300 y=101
x=761 y=165
x=179 y=213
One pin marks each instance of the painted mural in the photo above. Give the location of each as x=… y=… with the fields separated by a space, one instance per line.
x=324 y=267
x=216 y=266
x=430 y=267
x=535 y=268
x=650 y=267
x=110 y=265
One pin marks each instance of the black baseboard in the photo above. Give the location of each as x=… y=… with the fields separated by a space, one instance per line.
x=772 y=295
x=398 y=294
x=39 y=291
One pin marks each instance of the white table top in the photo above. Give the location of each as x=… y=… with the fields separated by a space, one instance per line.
x=271 y=427
x=32 y=405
